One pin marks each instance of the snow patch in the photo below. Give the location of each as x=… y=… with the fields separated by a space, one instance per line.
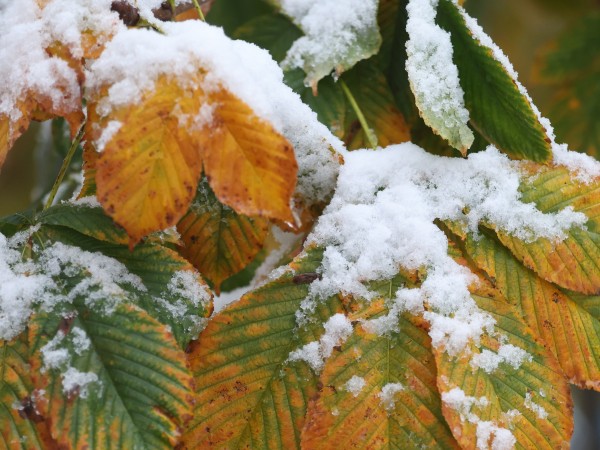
x=355 y=385
x=386 y=396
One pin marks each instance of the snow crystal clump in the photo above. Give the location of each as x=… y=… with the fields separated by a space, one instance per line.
x=381 y=220
x=355 y=385
x=333 y=30
x=501 y=438
x=434 y=77
x=539 y=410
x=337 y=329
x=507 y=353
x=28 y=30
x=386 y=396
x=244 y=69
x=75 y=381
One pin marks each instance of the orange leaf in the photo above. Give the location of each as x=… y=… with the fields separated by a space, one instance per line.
x=147 y=174
x=250 y=166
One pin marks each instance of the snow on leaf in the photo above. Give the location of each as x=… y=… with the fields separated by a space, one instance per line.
x=131 y=382
x=378 y=391
x=484 y=410
x=337 y=34
x=572 y=262
x=247 y=391
x=570 y=331
x=434 y=77
x=499 y=106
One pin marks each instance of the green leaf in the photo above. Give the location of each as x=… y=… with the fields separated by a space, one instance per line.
x=498 y=110
x=122 y=381
x=89 y=220
x=272 y=32
x=174 y=292
x=217 y=240
x=231 y=14
x=248 y=394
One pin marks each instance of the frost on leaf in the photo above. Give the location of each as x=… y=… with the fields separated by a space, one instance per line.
x=433 y=76
x=337 y=34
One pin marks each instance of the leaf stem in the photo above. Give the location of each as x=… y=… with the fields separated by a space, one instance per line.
x=361 y=117
x=65 y=166
x=199 y=10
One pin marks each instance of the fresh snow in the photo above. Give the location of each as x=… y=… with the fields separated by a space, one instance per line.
x=337 y=329
x=434 y=77
x=387 y=394
x=486 y=431
x=539 y=410
x=381 y=220
x=244 y=69
x=333 y=31
x=355 y=385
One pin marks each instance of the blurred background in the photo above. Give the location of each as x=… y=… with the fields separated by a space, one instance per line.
x=553 y=44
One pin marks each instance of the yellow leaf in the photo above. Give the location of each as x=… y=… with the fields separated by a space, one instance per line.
x=147 y=174
x=250 y=166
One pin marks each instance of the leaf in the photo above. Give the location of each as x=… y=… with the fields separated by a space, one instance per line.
x=372 y=93
x=21 y=426
x=570 y=332
x=341 y=418
x=525 y=396
x=573 y=263
x=249 y=166
x=354 y=37
x=139 y=394
x=173 y=294
x=248 y=395
x=272 y=32
x=147 y=184
x=88 y=220
x=147 y=173
x=217 y=240
x=498 y=110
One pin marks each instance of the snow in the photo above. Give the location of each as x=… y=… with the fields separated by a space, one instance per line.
x=53 y=356
x=333 y=30
x=486 y=431
x=507 y=353
x=28 y=30
x=75 y=381
x=539 y=410
x=242 y=68
x=112 y=127
x=81 y=342
x=386 y=396
x=434 y=77
x=355 y=385
x=25 y=283
x=381 y=220
x=337 y=329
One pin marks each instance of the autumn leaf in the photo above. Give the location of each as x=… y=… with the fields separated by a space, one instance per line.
x=247 y=391
x=148 y=170
x=379 y=391
x=217 y=240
